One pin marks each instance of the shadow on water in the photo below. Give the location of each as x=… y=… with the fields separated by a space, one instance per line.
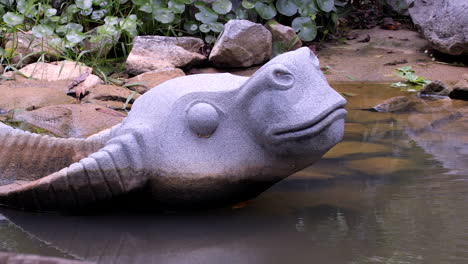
x=394 y=191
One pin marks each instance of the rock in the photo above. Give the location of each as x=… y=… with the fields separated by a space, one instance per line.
x=153 y=78
x=150 y=53
x=83 y=87
x=72 y=120
x=110 y=96
x=435 y=88
x=284 y=38
x=13 y=258
x=443 y=23
x=242 y=44
x=379 y=165
x=394 y=104
x=20 y=44
x=460 y=89
x=33 y=94
x=354 y=147
x=53 y=71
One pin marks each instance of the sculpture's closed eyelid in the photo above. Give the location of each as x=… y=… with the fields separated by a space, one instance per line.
x=282 y=78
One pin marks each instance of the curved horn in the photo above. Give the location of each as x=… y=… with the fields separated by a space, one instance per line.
x=115 y=169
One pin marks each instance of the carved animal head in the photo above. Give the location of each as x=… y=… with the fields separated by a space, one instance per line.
x=212 y=139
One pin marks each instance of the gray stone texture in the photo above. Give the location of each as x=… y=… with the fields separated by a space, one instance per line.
x=242 y=44
x=150 y=53
x=200 y=141
x=444 y=23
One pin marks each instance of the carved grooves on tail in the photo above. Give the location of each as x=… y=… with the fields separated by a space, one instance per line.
x=114 y=170
x=28 y=156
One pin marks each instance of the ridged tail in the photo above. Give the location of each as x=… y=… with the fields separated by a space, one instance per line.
x=112 y=171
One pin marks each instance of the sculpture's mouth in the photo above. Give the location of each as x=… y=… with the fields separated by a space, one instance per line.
x=313 y=127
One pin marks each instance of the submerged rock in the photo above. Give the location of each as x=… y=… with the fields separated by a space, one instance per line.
x=435 y=88
x=242 y=44
x=151 y=79
x=150 y=53
x=395 y=104
x=443 y=23
x=460 y=89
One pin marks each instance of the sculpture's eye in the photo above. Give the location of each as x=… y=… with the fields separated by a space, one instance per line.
x=283 y=78
x=203 y=119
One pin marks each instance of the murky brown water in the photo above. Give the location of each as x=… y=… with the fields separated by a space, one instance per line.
x=394 y=191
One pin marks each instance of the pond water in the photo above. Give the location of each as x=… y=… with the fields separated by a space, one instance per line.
x=394 y=191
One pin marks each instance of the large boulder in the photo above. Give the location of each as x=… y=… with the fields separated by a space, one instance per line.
x=284 y=37
x=242 y=44
x=150 y=53
x=443 y=23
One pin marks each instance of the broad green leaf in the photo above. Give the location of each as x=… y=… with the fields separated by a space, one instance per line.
x=176 y=6
x=42 y=31
x=286 y=7
x=86 y=12
x=326 y=5
x=129 y=25
x=164 y=15
x=265 y=11
x=222 y=7
x=75 y=37
x=191 y=27
x=306 y=27
x=247 y=5
x=241 y=14
x=72 y=9
x=147 y=8
x=98 y=14
x=140 y=2
x=69 y=27
x=13 y=19
x=216 y=27
x=50 y=12
x=206 y=17
x=210 y=39
x=111 y=20
x=308 y=9
x=84 y=4
x=107 y=30
x=205 y=28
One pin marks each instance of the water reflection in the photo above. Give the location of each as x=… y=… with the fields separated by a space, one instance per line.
x=395 y=191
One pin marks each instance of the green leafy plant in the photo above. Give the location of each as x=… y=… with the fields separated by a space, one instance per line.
x=413 y=82
x=93 y=30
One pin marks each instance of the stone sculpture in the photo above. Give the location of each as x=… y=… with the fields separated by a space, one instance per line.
x=194 y=141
